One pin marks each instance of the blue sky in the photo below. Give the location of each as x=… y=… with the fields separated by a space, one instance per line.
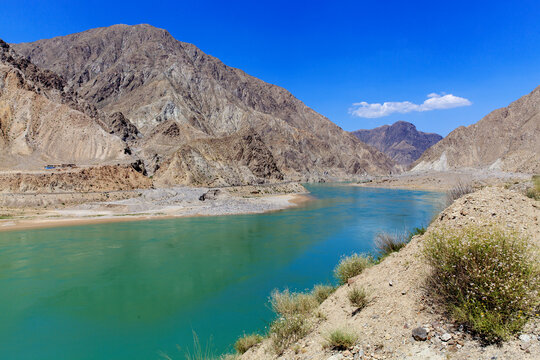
x=333 y=54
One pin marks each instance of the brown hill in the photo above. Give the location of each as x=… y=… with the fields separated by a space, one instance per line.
x=400 y=141
x=506 y=139
x=180 y=98
x=40 y=122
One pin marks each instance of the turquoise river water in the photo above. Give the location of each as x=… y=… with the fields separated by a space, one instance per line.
x=139 y=290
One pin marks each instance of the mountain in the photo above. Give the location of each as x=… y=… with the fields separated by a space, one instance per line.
x=197 y=120
x=42 y=122
x=506 y=139
x=400 y=141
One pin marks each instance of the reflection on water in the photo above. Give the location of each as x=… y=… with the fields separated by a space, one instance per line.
x=133 y=290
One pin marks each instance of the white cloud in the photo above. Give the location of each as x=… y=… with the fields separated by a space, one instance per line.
x=433 y=102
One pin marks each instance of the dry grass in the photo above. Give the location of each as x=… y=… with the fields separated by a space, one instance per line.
x=487 y=279
x=322 y=292
x=340 y=339
x=246 y=342
x=458 y=191
x=358 y=298
x=386 y=243
x=351 y=266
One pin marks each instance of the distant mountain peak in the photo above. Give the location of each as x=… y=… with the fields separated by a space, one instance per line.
x=401 y=141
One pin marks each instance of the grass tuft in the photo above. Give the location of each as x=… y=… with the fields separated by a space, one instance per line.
x=246 y=342
x=488 y=279
x=322 y=292
x=350 y=266
x=288 y=330
x=358 y=298
x=340 y=339
x=387 y=244
x=458 y=191
x=286 y=303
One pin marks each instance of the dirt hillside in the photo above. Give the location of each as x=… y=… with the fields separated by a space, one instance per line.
x=398 y=303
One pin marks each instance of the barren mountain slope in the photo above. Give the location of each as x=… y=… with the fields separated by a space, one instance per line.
x=400 y=141
x=41 y=123
x=158 y=82
x=506 y=139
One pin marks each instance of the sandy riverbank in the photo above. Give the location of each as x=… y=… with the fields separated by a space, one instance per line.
x=164 y=203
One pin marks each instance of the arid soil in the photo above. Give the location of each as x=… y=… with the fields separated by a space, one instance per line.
x=398 y=301
x=444 y=180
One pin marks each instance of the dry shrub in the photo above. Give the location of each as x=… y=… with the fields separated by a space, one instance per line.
x=358 y=298
x=387 y=244
x=322 y=292
x=487 y=279
x=458 y=191
x=350 y=266
x=246 y=342
x=340 y=339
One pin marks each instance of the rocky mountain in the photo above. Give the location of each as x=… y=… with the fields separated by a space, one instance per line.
x=400 y=141
x=41 y=121
x=506 y=139
x=191 y=118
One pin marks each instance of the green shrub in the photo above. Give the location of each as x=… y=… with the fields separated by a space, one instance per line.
x=417 y=231
x=351 y=266
x=458 y=191
x=486 y=278
x=246 y=342
x=288 y=330
x=340 y=339
x=387 y=244
x=358 y=298
x=285 y=303
x=322 y=292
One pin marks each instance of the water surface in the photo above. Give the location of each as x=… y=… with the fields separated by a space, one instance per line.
x=135 y=290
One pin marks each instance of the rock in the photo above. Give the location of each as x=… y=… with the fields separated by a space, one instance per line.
x=446 y=337
x=336 y=357
x=359 y=354
x=525 y=338
x=347 y=353
x=391 y=283
x=420 y=334
x=210 y=195
x=525 y=346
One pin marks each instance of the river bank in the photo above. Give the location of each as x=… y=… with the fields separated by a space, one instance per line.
x=147 y=204
x=444 y=180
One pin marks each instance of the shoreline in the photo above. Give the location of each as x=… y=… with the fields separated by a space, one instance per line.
x=283 y=202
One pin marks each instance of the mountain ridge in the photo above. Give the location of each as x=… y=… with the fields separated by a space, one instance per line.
x=160 y=83
x=401 y=141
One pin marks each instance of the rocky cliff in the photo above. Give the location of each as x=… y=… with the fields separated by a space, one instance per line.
x=41 y=122
x=506 y=139
x=400 y=141
x=184 y=101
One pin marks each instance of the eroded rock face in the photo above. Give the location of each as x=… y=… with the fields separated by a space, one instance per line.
x=400 y=141
x=506 y=139
x=184 y=101
x=40 y=122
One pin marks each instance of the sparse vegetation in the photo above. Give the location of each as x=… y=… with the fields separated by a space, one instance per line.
x=287 y=330
x=340 y=339
x=294 y=311
x=322 y=292
x=246 y=342
x=350 y=266
x=417 y=231
x=286 y=303
x=386 y=243
x=486 y=278
x=358 y=298
x=534 y=191
x=458 y=191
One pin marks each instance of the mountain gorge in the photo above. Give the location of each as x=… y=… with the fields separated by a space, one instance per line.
x=194 y=120
x=400 y=141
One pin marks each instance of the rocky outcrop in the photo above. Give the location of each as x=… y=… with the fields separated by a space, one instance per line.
x=41 y=123
x=507 y=139
x=400 y=141
x=184 y=102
